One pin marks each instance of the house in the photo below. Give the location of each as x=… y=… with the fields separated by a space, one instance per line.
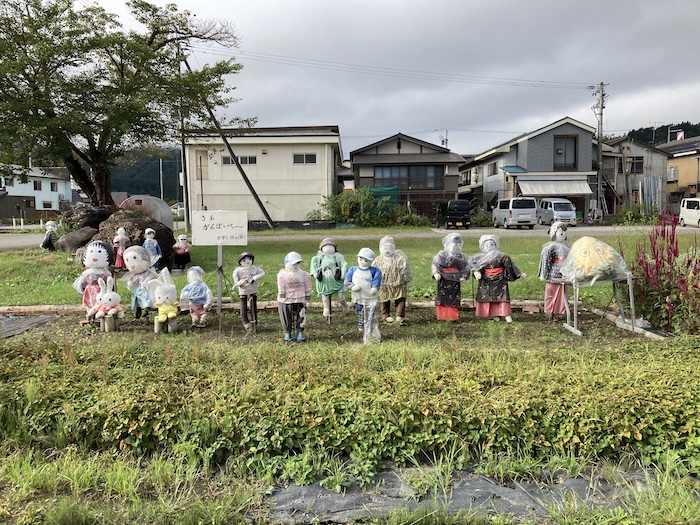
x=638 y=172
x=290 y=169
x=424 y=173
x=46 y=192
x=553 y=161
x=683 y=171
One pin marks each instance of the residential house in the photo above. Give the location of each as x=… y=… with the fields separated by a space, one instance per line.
x=424 y=173
x=638 y=172
x=290 y=169
x=683 y=171
x=553 y=161
x=46 y=192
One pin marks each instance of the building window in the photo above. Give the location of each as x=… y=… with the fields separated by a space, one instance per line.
x=635 y=165
x=304 y=158
x=410 y=177
x=47 y=205
x=9 y=182
x=493 y=169
x=565 y=153
x=227 y=160
x=37 y=185
x=54 y=186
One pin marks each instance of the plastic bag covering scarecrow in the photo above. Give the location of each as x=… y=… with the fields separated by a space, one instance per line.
x=182 y=252
x=198 y=295
x=552 y=259
x=450 y=267
x=139 y=265
x=51 y=236
x=120 y=243
x=494 y=270
x=97 y=257
x=396 y=274
x=329 y=268
x=163 y=294
x=293 y=292
x=246 y=277
x=364 y=281
x=590 y=260
x=151 y=245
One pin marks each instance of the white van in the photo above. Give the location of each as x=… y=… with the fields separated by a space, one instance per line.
x=518 y=211
x=552 y=210
x=690 y=212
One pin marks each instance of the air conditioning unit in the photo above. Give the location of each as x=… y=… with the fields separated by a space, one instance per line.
x=61 y=197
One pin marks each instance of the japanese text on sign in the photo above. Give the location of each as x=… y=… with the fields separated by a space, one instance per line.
x=210 y=228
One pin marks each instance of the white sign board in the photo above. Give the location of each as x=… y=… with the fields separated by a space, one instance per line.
x=226 y=228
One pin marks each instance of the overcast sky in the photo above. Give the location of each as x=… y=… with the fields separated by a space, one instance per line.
x=478 y=72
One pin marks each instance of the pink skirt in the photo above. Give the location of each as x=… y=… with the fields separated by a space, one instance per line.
x=493 y=309
x=554 y=298
x=447 y=313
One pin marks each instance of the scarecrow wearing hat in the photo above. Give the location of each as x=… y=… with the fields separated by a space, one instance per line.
x=181 y=258
x=246 y=277
x=329 y=268
x=152 y=246
x=293 y=292
x=364 y=281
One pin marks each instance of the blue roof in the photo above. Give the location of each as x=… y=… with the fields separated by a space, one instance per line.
x=513 y=169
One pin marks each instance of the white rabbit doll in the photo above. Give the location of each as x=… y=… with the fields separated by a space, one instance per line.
x=107 y=309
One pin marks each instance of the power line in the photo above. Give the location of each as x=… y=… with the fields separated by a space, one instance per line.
x=384 y=71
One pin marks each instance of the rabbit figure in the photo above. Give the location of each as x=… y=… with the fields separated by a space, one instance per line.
x=107 y=309
x=164 y=293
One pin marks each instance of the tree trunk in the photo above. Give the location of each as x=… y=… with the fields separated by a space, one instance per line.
x=98 y=191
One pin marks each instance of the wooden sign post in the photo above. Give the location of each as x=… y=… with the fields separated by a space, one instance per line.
x=219 y=228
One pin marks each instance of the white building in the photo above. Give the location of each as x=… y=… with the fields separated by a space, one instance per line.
x=291 y=169
x=42 y=196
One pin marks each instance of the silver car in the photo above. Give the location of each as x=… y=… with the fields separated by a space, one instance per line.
x=517 y=211
x=554 y=209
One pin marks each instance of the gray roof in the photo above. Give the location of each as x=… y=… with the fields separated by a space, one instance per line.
x=680 y=146
x=407 y=158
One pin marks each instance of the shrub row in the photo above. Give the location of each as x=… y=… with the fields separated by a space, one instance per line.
x=265 y=405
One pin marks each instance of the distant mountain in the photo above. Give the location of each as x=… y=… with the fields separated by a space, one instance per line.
x=140 y=174
x=661 y=135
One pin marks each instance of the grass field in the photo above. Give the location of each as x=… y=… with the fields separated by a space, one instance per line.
x=199 y=426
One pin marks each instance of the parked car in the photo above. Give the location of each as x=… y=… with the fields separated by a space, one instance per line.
x=517 y=211
x=178 y=208
x=552 y=210
x=453 y=213
x=690 y=212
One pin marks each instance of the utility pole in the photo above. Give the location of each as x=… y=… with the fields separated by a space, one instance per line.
x=597 y=108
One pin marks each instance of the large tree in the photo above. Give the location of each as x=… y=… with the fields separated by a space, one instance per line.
x=79 y=90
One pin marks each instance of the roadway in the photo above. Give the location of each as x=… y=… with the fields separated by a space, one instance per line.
x=20 y=241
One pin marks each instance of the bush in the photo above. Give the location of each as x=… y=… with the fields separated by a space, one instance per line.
x=362 y=208
x=635 y=215
x=668 y=293
x=481 y=219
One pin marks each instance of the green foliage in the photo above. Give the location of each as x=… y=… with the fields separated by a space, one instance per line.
x=481 y=219
x=362 y=208
x=82 y=91
x=634 y=216
x=668 y=292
